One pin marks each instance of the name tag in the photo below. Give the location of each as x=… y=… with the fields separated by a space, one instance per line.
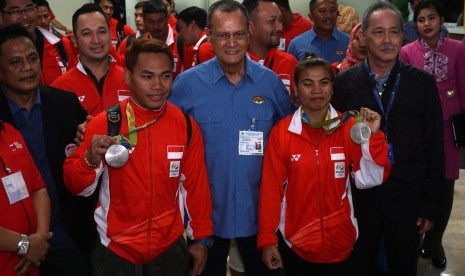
x=15 y=187
x=282 y=44
x=250 y=142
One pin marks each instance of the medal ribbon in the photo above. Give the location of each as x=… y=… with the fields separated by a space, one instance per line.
x=132 y=129
x=343 y=118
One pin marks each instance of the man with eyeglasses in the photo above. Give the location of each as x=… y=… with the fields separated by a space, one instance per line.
x=324 y=40
x=119 y=31
x=56 y=54
x=236 y=102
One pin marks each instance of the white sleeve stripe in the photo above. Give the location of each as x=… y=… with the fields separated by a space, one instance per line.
x=91 y=189
x=370 y=173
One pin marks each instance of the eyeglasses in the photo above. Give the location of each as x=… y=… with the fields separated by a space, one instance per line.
x=227 y=36
x=18 y=13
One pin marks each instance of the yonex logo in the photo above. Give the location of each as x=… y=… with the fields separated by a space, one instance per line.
x=295 y=157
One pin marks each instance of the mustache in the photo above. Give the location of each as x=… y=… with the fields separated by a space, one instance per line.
x=387 y=47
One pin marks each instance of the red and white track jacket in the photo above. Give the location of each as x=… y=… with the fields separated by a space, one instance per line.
x=138 y=215
x=305 y=188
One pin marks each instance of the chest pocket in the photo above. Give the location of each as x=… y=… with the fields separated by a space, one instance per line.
x=262 y=116
x=212 y=124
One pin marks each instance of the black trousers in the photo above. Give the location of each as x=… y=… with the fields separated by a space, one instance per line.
x=433 y=238
x=70 y=262
x=393 y=215
x=251 y=257
x=173 y=262
x=294 y=265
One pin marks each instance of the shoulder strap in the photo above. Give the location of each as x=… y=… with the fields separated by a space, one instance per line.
x=180 y=47
x=120 y=31
x=189 y=129
x=129 y=40
x=114 y=119
x=197 y=56
x=62 y=53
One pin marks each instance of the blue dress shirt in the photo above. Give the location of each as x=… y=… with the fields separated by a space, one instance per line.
x=332 y=50
x=222 y=109
x=29 y=124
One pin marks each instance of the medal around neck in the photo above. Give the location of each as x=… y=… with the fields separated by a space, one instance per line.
x=360 y=133
x=117 y=156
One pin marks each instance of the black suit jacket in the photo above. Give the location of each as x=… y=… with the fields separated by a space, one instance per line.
x=61 y=114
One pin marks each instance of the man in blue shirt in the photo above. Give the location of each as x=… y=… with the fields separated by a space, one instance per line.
x=236 y=102
x=324 y=40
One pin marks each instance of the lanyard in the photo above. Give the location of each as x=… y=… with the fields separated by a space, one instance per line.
x=5 y=167
x=132 y=129
x=344 y=117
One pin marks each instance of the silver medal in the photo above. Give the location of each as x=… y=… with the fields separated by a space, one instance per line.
x=117 y=156
x=360 y=133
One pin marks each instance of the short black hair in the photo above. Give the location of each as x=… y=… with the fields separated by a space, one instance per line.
x=146 y=45
x=43 y=3
x=13 y=31
x=226 y=6
x=140 y=4
x=86 y=8
x=312 y=4
x=99 y=1
x=427 y=5
x=283 y=4
x=252 y=5
x=3 y=3
x=155 y=6
x=194 y=14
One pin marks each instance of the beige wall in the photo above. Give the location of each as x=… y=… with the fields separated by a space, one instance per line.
x=64 y=9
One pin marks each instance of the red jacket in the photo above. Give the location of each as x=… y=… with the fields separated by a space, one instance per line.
x=282 y=63
x=52 y=65
x=299 y=26
x=77 y=81
x=138 y=215
x=305 y=188
x=20 y=216
x=115 y=42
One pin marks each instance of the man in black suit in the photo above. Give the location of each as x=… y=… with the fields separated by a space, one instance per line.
x=47 y=118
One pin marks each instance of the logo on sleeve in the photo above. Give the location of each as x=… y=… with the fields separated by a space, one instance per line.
x=295 y=157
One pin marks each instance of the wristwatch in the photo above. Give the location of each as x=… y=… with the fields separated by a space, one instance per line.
x=23 y=245
x=207 y=242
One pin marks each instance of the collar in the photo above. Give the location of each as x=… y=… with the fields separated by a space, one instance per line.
x=15 y=108
x=203 y=36
x=335 y=34
x=296 y=122
x=268 y=58
x=218 y=72
x=81 y=66
x=49 y=36
x=387 y=79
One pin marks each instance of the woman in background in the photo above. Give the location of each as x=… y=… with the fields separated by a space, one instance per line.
x=356 y=52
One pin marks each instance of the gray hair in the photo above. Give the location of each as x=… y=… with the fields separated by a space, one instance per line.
x=226 y=6
x=378 y=7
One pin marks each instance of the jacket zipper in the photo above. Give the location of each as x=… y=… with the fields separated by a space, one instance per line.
x=320 y=199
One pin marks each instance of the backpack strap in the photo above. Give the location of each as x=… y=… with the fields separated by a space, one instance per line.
x=120 y=32
x=189 y=129
x=114 y=119
x=180 y=47
x=129 y=40
x=61 y=52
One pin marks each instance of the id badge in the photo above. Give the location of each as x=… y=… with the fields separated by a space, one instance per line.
x=282 y=44
x=391 y=153
x=250 y=142
x=15 y=187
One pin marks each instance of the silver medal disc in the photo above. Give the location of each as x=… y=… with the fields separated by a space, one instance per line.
x=117 y=156
x=360 y=133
